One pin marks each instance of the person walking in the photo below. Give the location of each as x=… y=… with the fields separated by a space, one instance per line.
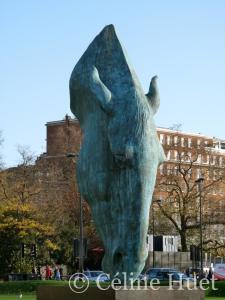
x=57 y=274
x=61 y=272
x=48 y=273
x=209 y=276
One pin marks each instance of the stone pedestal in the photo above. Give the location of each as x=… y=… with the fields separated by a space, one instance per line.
x=93 y=293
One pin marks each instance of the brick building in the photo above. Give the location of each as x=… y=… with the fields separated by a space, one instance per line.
x=205 y=155
x=65 y=136
x=62 y=137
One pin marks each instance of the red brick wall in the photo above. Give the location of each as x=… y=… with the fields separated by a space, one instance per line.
x=63 y=137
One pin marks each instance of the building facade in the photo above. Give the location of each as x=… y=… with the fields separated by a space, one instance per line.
x=196 y=154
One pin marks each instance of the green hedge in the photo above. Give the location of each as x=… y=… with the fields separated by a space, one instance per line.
x=220 y=285
x=28 y=286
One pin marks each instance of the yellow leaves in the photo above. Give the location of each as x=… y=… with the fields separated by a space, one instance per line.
x=21 y=217
x=24 y=217
x=15 y=207
x=22 y=234
x=50 y=245
x=25 y=227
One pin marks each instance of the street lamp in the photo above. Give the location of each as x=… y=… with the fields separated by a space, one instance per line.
x=199 y=182
x=81 y=231
x=158 y=201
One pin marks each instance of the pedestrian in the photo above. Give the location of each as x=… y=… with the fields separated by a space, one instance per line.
x=61 y=272
x=48 y=273
x=209 y=276
x=54 y=273
x=57 y=274
x=187 y=271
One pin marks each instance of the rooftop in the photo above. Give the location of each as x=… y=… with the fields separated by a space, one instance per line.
x=218 y=143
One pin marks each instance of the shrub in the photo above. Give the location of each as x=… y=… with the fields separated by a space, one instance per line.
x=220 y=292
x=28 y=286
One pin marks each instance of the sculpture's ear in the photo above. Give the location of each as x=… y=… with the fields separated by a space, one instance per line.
x=153 y=95
x=102 y=93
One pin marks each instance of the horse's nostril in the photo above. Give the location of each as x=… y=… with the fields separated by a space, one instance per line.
x=117 y=258
x=121 y=161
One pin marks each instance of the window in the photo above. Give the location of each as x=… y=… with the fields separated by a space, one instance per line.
x=168 y=140
x=170 y=241
x=182 y=156
x=189 y=142
x=175 y=140
x=176 y=170
x=161 y=169
x=189 y=156
x=168 y=155
x=175 y=155
x=165 y=169
x=161 y=137
x=182 y=142
x=199 y=159
x=168 y=171
x=198 y=173
x=190 y=172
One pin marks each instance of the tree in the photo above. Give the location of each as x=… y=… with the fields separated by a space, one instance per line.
x=59 y=201
x=39 y=203
x=178 y=189
x=20 y=220
x=1 y=160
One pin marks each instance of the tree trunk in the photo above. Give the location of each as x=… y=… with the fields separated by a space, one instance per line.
x=183 y=240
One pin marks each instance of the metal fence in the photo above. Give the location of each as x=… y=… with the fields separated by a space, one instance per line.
x=180 y=260
x=177 y=260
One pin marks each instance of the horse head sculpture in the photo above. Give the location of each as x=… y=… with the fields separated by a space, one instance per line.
x=120 y=152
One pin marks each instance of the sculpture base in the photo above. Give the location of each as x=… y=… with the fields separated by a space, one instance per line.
x=93 y=293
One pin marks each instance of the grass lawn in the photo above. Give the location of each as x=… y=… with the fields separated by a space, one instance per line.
x=15 y=297
x=211 y=298
x=33 y=297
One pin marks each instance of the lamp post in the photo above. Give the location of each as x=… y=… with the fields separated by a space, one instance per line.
x=81 y=243
x=199 y=182
x=153 y=230
x=81 y=231
x=153 y=235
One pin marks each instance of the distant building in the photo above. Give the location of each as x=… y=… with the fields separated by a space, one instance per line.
x=205 y=156
x=164 y=243
x=65 y=137
x=62 y=137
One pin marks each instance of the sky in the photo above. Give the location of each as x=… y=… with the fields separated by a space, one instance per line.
x=183 y=42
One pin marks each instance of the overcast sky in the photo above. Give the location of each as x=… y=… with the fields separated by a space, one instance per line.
x=181 y=41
